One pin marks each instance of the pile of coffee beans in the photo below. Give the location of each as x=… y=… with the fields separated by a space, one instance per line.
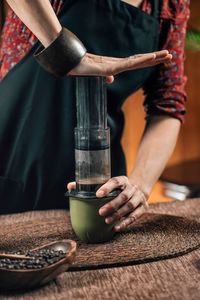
x=37 y=259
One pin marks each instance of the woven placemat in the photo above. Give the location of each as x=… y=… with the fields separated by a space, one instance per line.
x=153 y=237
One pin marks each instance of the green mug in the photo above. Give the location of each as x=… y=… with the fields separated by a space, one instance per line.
x=88 y=225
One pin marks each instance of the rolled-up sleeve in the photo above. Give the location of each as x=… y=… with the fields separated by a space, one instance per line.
x=165 y=91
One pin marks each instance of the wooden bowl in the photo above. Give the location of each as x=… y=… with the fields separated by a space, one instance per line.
x=31 y=278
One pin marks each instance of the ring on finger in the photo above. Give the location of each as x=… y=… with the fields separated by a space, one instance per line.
x=131 y=57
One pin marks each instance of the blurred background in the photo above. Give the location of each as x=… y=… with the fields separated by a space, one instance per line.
x=181 y=178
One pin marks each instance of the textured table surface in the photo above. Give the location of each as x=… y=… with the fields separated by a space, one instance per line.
x=176 y=278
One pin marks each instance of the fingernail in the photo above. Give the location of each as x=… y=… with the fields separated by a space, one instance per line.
x=100 y=193
x=103 y=211
x=117 y=228
x=109 y=220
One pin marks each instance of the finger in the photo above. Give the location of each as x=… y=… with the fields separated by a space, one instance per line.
x=130 y=63
x=71 y=185
x=108 y=59
x=162 y=53
x=147 y=62
x=137 y=199
x=111 y=206
x=109 y=79
x=138 y=212
x=166 y=58
x=157 y=61
x=159 y=54
x=111 y=184
x=139 y=59
x=163 y=59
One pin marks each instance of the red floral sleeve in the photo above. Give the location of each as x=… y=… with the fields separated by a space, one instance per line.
x=17 y=40
x=165 y=92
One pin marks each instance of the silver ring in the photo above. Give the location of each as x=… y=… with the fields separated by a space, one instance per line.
x=131 y=57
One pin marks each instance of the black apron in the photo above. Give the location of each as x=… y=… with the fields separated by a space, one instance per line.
x=38 y=113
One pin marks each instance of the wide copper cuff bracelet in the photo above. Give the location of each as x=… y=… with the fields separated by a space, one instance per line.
x=62 y=55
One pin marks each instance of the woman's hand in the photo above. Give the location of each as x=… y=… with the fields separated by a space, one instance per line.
x=94 y=65
x=128 y=206
x=132 y=202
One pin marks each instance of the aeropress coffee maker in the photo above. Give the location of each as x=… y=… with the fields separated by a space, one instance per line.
x=92 y=161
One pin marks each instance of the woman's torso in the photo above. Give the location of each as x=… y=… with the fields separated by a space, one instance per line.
x=36 y=136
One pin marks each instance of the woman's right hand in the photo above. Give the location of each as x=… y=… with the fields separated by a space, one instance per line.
x=95 y=65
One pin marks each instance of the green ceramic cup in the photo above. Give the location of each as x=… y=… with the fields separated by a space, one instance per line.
x=88 y=225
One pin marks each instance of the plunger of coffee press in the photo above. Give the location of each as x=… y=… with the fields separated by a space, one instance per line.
x=92 y=136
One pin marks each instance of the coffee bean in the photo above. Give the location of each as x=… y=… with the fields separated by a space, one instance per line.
x=39 y=259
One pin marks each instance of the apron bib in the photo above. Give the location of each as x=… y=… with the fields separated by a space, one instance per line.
x=38 y=113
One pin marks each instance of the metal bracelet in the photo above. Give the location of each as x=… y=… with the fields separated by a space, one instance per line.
x=62 y=55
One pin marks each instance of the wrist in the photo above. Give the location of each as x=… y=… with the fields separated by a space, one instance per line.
x=47 y=40
x=144 y=187
x=62 y=55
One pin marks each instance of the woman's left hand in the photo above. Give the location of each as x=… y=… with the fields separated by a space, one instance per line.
x=132 y=202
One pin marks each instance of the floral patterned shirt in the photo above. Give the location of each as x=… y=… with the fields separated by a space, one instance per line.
x=164 y=94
